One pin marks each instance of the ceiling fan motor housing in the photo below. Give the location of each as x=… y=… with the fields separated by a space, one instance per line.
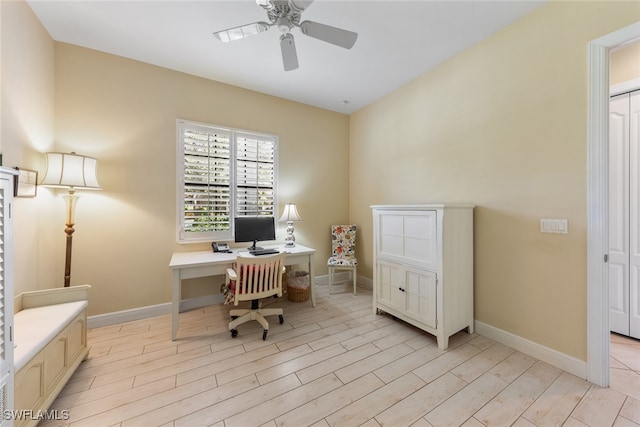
x=283 y=15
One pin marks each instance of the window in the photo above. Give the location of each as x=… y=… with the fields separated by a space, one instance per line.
x=223 y=173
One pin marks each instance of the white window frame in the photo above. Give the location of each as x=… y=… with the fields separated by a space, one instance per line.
x=184 y=236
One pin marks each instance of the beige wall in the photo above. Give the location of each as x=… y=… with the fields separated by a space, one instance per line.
x=503 y=126
x=625 y=64
x=26 y=130
x=124 y=113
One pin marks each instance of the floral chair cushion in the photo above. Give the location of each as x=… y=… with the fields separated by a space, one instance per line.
x=342 y=261
x=343 y=246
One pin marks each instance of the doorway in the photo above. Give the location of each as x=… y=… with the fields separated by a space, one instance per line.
x=598 y=335
x=624 y=196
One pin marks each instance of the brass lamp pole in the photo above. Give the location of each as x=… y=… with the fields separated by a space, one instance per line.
x=70 y=200
x=73 y=172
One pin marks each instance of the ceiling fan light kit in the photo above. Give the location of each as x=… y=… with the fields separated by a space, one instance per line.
x=286 y=15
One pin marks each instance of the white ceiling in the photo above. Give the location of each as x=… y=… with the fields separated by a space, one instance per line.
x=398 y=41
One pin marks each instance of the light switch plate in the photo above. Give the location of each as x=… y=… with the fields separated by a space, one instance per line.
x=556 y=226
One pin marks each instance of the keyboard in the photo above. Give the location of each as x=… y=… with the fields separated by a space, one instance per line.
x=264 y=252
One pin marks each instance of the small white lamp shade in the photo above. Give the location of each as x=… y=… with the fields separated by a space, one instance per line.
x=290 y=213
x=71 y=170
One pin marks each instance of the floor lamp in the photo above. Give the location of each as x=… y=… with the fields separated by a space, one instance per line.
x=290 y=215
x=72 y=172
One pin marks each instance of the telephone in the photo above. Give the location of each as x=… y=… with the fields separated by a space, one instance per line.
x=220 y=247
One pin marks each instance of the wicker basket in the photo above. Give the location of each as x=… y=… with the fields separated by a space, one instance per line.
x=298 y=294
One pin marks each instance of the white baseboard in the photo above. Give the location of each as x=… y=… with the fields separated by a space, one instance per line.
x=108 y=319
x=368 y=283
x=553 y=357
x=344 y=276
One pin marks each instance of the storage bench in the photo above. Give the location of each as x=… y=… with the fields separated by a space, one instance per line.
x=50 y=335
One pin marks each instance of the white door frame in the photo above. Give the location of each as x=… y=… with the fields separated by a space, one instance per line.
x=598 y=202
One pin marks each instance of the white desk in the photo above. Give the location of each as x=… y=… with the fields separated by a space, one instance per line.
x=189 y=265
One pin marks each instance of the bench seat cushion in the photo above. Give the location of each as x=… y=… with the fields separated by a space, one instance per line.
x=36 y=327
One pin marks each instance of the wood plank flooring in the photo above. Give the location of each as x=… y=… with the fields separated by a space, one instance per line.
x=335 y=365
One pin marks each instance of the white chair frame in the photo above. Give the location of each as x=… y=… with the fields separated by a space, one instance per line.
x=256 y=277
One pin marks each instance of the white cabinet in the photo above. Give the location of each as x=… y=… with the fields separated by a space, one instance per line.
x=6 y=294
x=423 y=266
x=624 y=214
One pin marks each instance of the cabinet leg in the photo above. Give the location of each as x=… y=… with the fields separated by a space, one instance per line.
x=443 y=342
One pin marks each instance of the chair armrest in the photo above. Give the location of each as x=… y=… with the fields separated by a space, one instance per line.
x=231 y=274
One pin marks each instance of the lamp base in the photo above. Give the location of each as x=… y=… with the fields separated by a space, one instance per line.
x=290 y=240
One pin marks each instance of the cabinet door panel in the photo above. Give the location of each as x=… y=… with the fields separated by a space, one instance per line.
x=420 y=237
x=391 y=232
x=409 y=237
x=420 y=295
x=389 y=284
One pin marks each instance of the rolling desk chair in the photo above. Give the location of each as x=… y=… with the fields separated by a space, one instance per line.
x=253 y=278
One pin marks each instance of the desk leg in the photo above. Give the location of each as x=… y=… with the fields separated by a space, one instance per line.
x=312 y=279
x=175 y=304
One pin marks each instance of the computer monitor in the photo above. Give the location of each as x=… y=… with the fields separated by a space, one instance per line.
x=254 y=229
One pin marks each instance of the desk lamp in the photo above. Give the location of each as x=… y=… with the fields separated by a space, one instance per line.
x=73 y=172
x=290 y=215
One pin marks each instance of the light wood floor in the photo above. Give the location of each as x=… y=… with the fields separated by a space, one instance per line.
x=335 y=365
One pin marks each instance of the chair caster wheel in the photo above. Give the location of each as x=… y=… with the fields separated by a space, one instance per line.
x=264 y=334
x=234 y=333
x=281 y=318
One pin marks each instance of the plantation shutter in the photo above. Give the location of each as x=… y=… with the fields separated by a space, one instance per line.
x=255 y=175
x=207 y=180
x=223 y=173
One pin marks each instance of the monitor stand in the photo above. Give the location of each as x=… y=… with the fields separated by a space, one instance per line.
x=254 y=247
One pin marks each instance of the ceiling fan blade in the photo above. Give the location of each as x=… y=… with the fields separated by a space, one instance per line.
x=289 y=55
x=329 y=34
x=242 y=31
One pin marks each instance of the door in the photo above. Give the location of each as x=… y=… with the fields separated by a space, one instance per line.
x=420 y=295
x=6 y=298
x=624 y=195
x=619 y=214
x=409 y=237
x=634 y=215
x=389 y=285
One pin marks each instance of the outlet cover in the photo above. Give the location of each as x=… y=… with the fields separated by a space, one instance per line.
x=556 y=226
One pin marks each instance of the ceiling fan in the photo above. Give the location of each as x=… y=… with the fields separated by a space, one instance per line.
x=286 y=14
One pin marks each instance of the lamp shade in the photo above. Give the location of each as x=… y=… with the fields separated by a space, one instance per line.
x=290 y=213
x=71 y=170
